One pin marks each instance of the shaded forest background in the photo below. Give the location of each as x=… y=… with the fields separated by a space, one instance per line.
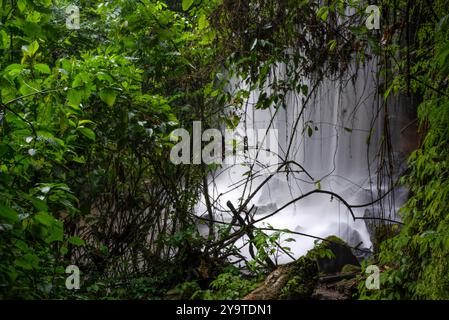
x=86 y=117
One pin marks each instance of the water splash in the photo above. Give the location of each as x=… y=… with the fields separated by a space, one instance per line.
x=337 y=140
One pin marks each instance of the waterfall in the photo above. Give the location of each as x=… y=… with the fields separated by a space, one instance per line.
x=336 y=141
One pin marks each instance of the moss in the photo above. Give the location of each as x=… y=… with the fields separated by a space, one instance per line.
x=334 y=239
x=302 y=281
x=319 y=249
x=332 y=255
x=350 y=268
x=293 y=281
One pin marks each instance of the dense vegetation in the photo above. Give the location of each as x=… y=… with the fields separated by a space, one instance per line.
x=85 y=122
x=416 y=260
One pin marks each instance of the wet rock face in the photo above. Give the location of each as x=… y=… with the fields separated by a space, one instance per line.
x=294 y=281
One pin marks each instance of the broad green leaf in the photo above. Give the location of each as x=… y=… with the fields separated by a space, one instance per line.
x=83 y=122
x=77 y=241
x=7 y=214
x=56 y=232
x=22 y=4
x=4 y=39
x=29 y=87
x=79 y=159
x=44 y=219
x=28 y=261
x=203 y=22
x=108 y=96
x=39 y=204
x=14 y=69
x=186 y=4
x=31 y=49
x=74 y=97
x=43 y=68
x=105 y=77
x=88 y=133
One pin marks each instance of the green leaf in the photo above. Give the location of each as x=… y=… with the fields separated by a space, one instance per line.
x=105 y=77
x=186 y=4
x=74 y=97
x=88 y=133
x=7 y=214
x=323 y=13
x=77 y=241
x=22 y=4
x=31 y=49
x=358 y=30
x=44 y=219
x=14 y=69
x=4 y=39
x=310 y=131
x=108 y=96
x=387 y=93
x=56 y=232
x=64 y=250
x=79 y=159
x=83 y=122
x=202 y=22
x=39 y=204
x=43 y=68
x=332 y=44
x=28 y=261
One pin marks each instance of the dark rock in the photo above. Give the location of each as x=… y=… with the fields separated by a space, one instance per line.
x=341 y=290
x=342 y=255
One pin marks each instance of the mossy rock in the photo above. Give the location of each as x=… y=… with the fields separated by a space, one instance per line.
x=341 y=255
x=333 y=239
x=293 y=281
x=350 y=268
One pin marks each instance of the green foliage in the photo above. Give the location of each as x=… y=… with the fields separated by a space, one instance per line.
x=85 y=118
x=268 y=247
x=321 y=249
x=303 y=281
x=229 y=285
x=415 y=262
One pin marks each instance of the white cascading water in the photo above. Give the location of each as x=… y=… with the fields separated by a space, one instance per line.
x=344 y=116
